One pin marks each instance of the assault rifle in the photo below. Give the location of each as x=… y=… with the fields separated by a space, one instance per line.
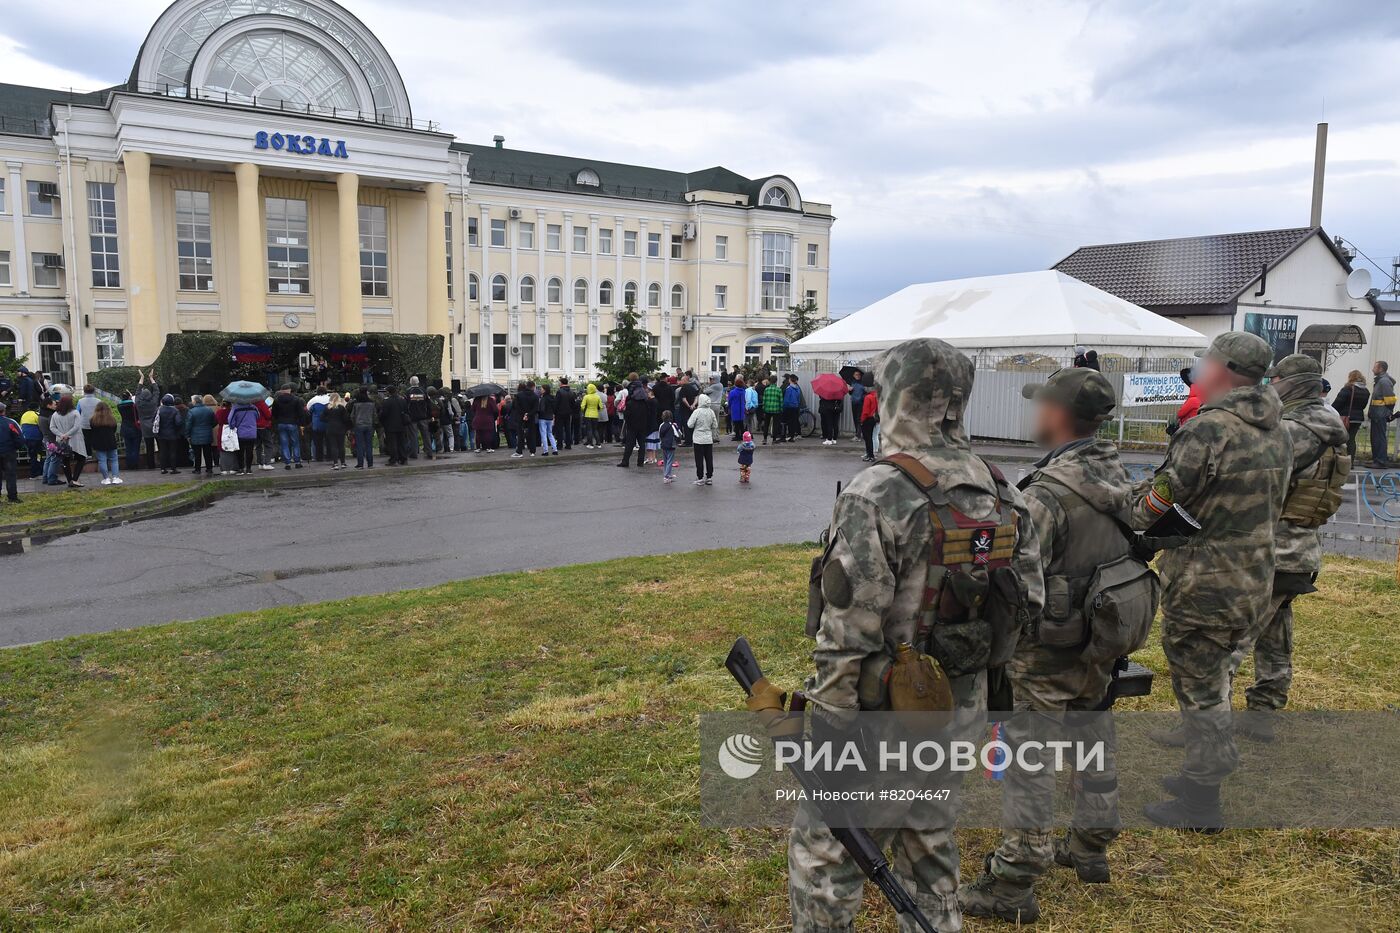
x=858 y=842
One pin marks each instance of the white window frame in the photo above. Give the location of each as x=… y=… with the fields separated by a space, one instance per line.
x=553 y=352
x=677 y=246
x=374 y=250
x=4 y=267
x=527 y=289
x=629 y=242
x=473 y=233
x=721 y=297
x=102 y=234
x=2 y=196
x=580 y=240
x=36 y=205
x=678 y=297
x=654 y=295
x=721 y=248
x=111 y=347
x=12 y=342
x=580 y=352
x=719 y=357
x=630 y=296
x=500 y=351
x=474 y=352
x=498 y=232
x=525 y=234
x=286 y=235
x=554 y=238
x=500 y=286
x=813 y=254
x=473 y=287
x=447 y=239
x=605 y=293
x=776 y=274
x=653 y=246
x=580 y=292
x=194 y=241
x=527 y=353
x=677 y=351
x=554 y=291
x=605 y=240
x=777 y=196
x=41 y=276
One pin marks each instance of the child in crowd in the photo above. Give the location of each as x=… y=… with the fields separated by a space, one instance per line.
x=745 y=457
x=653 y=448
x=667 y=435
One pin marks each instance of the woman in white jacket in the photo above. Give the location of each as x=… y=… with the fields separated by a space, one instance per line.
x=703 y=425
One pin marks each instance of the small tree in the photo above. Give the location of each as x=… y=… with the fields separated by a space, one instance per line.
x=803 y=319
x=10 y=364
x=629 y=349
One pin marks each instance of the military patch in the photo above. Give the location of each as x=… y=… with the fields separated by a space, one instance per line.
x=981 y=545
x=836 y=586
x=1159 y=497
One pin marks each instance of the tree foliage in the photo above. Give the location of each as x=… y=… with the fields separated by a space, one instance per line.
x=804 y=318
x=629 y=349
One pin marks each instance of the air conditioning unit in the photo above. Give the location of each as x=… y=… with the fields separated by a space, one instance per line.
x=53 y=261
x=688 y=231
x=687 y=323
x=48 y=191
x=63 y=356
x=516 y=213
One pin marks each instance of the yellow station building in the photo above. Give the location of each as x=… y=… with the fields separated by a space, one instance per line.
x=262 y=170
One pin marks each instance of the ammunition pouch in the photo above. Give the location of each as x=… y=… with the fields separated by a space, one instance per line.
x=1315 y=498
x=1062 y=623
x=1119 y=607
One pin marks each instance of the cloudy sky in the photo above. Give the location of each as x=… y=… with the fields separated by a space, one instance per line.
x=952 y=138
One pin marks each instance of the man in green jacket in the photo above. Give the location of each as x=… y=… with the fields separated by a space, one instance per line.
x=771 y=400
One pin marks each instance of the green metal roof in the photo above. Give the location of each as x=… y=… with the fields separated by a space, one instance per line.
x=24 y=111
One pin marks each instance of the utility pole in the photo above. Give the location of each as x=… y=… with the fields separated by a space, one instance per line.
x=1319 y=171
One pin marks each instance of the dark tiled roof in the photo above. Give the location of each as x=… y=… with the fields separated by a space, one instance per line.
x=517 y=168
x=1191 y=271
x=24 y=111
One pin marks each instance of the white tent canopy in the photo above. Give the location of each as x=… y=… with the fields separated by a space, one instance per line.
x=1048 y=310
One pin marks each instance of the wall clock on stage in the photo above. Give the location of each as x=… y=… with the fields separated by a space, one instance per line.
x=291 y=321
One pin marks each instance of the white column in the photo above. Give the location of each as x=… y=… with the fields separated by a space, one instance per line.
x=642 y=248
x=595 y=341
x=514 y=360
x=541 y=294
x=512 y=240
x=663 y=349
x=483 y=242
x=617 y=251
x=19 y=265
x=755 y=270
x=566 y=243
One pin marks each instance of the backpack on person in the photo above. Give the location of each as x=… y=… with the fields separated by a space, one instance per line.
x=1316 y=497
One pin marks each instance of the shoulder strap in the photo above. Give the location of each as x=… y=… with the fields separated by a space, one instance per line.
x=909 y=465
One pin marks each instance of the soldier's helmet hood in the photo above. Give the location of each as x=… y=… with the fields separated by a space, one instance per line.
x=924 y=386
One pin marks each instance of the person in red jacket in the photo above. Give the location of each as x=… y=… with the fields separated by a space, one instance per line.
x=265 y=454
x=1192 y=405
x=869 y=418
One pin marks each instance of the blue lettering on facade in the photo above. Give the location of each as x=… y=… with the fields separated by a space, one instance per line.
x=301 y=144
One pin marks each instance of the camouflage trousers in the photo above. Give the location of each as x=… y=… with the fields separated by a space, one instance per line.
x=1272 y=645
x=1201 y=660
x=1055 y=681
x=825 y=886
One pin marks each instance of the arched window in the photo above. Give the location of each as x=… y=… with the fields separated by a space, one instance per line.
x=527 y=290
x=776 y=197
x=50 y=345
x=9 y=342
x=499 y=288
x=677 y=297
x=605 y=292
x=629 y=294
x=581 y=292
x=473 y=287
x=554 y=291
x=654 y=295
x=587 y=177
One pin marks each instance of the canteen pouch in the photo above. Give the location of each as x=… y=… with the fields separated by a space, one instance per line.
x=1120 y=605
x=917 y=684
x=1062 y=624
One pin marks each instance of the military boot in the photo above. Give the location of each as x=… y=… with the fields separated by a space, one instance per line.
x=1259 y=725
x=1196 y=809
x=990 y=896
x=1090 y=864
x=1171 y=738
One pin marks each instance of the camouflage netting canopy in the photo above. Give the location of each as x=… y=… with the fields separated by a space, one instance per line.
x=206 y=361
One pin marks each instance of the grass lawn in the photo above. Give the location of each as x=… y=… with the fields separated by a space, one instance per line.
x=80 y=502
x=519 y=753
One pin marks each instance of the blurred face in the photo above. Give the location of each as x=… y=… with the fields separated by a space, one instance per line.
x=1053 y=425
x=1376 y=370
x=1213 y=379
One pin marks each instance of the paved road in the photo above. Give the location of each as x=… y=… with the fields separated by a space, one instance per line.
x=355 y=538
x=348 y=539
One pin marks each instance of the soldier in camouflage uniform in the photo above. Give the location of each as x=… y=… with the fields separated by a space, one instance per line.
x=1228 y=467
x=1077 y=496
x=1314 y=428
x=873 y=576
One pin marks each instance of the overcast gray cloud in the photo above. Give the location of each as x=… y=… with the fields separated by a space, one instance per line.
x=951 y=138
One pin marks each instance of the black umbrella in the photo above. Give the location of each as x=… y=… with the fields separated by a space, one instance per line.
x=848 y=373
x=486 y=388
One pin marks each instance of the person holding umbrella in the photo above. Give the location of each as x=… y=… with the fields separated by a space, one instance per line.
x=830 y=390
x=857 y=392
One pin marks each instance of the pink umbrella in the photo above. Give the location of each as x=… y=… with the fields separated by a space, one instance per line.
x=830 y=386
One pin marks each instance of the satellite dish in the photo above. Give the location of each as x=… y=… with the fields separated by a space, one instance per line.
x=1359 y=283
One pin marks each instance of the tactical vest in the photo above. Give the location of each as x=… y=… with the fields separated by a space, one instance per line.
x=974 y=604
x=1316 y=491
x=1099 y=597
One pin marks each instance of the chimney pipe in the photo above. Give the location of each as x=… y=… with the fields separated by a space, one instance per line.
x=500 y=140
x=1319 y=171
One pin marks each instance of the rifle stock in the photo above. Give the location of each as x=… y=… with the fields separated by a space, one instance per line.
x=862 y=848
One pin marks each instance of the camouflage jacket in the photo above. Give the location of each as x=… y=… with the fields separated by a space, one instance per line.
x=1091 y=470
x=1229 y=468
x=880 y=534
x=1312 y=427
